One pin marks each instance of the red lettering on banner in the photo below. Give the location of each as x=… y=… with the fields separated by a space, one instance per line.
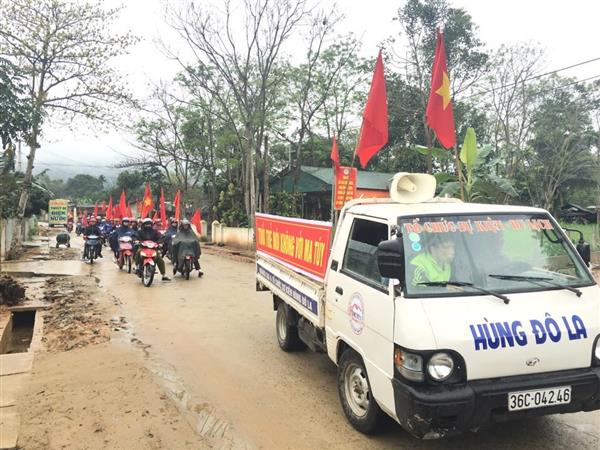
x=303 y=244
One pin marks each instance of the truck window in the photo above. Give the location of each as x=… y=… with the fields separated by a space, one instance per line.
x=359 y=260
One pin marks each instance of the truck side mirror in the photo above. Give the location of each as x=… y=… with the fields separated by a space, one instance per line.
x=390 y=260
x=583 y=247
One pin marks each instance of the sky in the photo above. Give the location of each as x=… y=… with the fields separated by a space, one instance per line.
x=566 y=30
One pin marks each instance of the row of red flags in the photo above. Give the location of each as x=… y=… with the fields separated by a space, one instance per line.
x=439 y=115
x=145 y=207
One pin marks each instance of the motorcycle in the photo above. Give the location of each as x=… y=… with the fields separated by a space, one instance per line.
x=91 y=247
x=125 y=253
x=148 y=253
x=185 y=253
x=78 y=228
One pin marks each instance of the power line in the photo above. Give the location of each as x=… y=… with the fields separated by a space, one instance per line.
x=74 y=165
x=535 y=77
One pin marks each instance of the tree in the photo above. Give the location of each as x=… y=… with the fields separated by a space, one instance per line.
x=244 y=61
x=467 y=62
x=511 y=101
x=63 y=50
x=163 y=144
x=562 y=141
x=15 y=114
x=85 y=188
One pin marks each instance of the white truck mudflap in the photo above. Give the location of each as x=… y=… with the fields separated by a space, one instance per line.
x=306 y=296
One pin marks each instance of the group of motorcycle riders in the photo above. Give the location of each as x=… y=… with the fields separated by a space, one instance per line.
x=144 y=230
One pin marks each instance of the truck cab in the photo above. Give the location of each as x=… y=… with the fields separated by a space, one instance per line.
x=448 y=316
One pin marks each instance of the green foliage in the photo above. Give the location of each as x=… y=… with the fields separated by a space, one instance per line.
x=228 y=210
x=83 y=188
x=15 y=110
x=286 y=204
x=591 y=233
x=9 y=196
x=482 y=184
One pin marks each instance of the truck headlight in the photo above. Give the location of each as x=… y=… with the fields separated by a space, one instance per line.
x=440 y=366
x=409 y=365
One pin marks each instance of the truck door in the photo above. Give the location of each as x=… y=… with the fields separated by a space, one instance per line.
x=360 y=307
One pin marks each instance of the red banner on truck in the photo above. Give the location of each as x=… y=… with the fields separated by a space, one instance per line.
x=302 y=245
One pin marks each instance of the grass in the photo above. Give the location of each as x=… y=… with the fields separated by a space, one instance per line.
x=591 y=233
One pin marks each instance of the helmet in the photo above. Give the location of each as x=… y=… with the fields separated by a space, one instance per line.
x=185 y=223
x=92 y=219
x=125 y=219
x=147 y=222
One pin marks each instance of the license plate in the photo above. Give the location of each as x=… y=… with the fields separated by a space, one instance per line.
x=539 y=398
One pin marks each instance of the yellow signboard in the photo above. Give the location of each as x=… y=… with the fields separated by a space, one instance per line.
x=57 y=211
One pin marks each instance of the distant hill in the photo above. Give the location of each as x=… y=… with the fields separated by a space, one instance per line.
x=64 y=171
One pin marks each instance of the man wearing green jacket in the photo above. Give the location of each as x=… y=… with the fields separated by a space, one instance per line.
x=434 y=263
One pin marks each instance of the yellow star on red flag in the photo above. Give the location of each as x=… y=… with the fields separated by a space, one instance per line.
x=444 y=90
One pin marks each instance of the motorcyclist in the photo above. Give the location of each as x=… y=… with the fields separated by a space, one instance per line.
x=123 y=230
x=169 y=233
x=92 y=229
x=134 y=224
x=186 y=233
x=148 y=233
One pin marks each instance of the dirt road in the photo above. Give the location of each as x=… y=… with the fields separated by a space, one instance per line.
x=211 y=341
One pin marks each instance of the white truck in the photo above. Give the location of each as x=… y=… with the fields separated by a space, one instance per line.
x=446 y=316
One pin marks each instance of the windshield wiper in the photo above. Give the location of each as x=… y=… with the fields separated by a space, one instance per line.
x=464 y=283
x=534 y=280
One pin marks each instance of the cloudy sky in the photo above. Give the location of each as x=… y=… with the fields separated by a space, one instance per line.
x=567 y=30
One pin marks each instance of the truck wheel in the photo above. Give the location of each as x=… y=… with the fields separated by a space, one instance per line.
x=287 y=335
x=354 y=389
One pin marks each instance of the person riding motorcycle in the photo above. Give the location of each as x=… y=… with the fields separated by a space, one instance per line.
x=123 y=230
x=185 y=237
x=148 y=233
x=92 y=229
x=169 y=233
x=134 y=224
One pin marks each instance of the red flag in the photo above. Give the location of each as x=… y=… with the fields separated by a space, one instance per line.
x=335 y=156
x=129 y=212
x=84 y=220
x=122 y=204
x=139 y=208
x=196 y=220
x=147 y=203
x=103 y=207
x=109 y=210
x=439 y=115
x=163 y=209
x=155 y=216
x=177 y=205
x=374 y=130
x=96 y=210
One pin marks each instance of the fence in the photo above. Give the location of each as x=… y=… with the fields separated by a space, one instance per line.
x=242 y=238
x=8 y=229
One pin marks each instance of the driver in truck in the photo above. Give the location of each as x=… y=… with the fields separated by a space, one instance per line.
x=434 y=264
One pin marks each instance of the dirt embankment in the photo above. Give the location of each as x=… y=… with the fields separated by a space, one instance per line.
x=11 y=291
x=89 y=387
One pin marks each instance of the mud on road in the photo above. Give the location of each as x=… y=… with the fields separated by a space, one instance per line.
x=90 y=387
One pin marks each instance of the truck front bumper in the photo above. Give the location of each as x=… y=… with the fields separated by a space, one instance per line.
x=431 y=412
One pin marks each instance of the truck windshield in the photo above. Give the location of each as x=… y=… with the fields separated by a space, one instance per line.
x=502 y=253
